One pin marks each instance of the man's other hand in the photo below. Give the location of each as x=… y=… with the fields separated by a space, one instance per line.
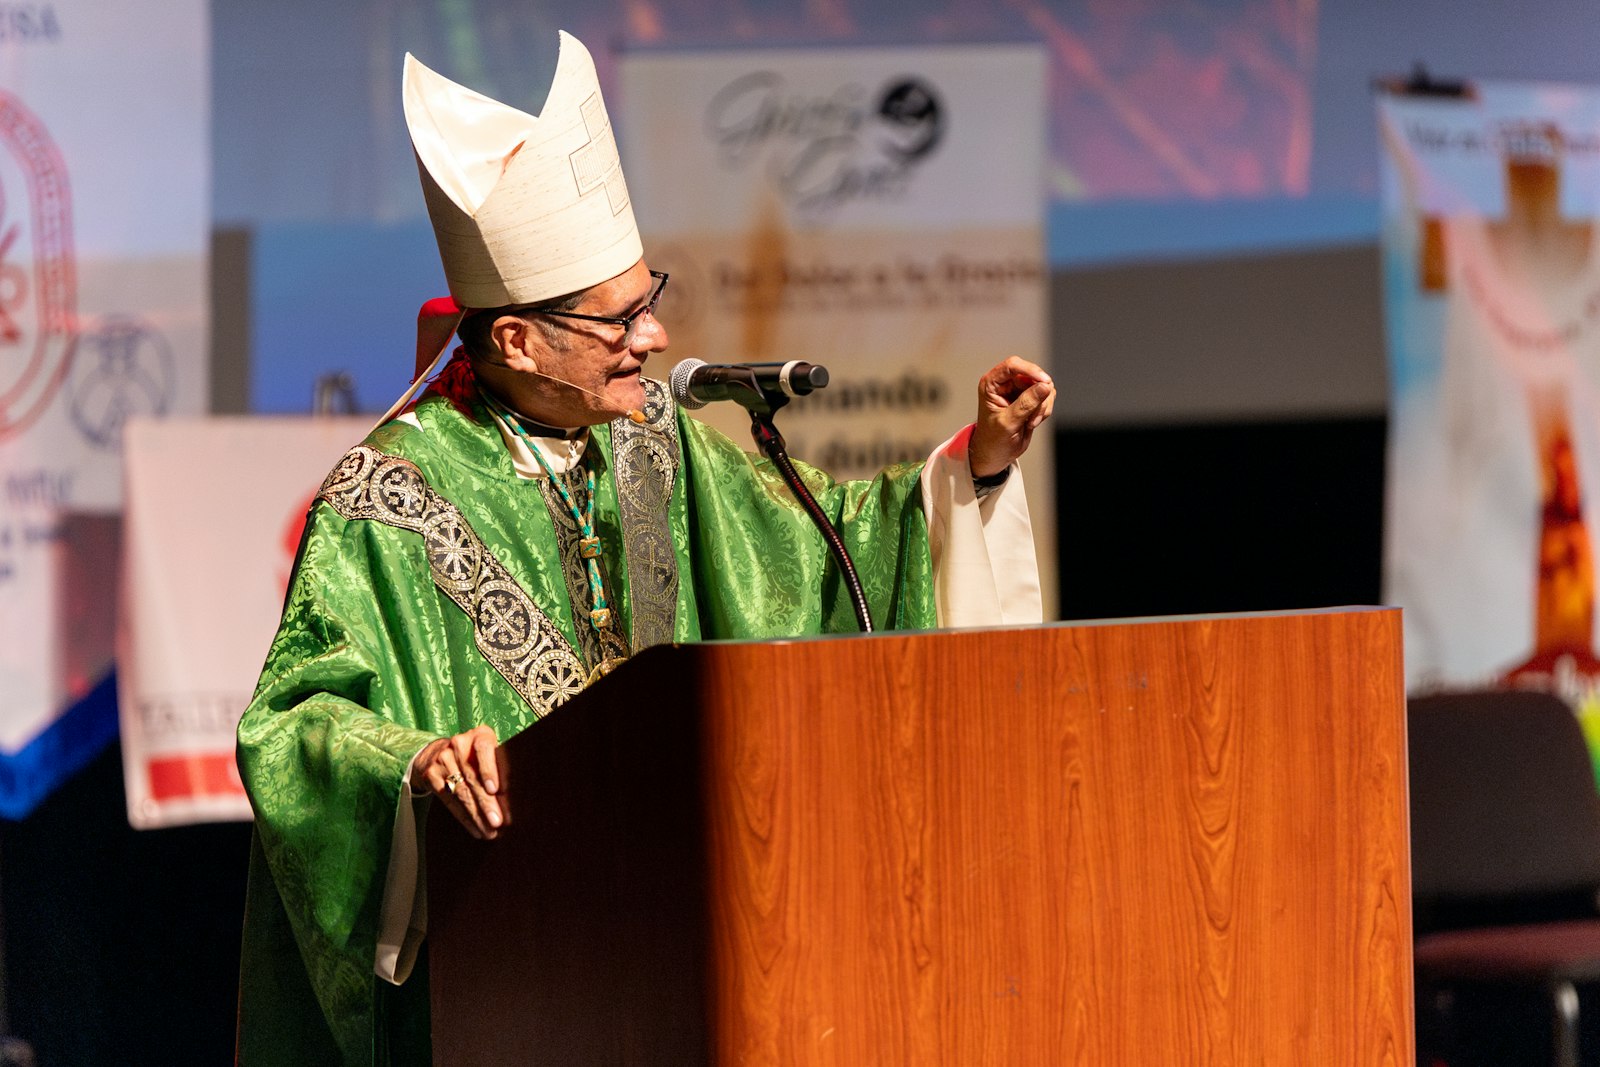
x=462 y=772
x=1013 y=399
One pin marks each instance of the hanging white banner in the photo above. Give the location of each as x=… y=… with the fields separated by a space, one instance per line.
x=214 y=513
x=1492 y=288
x=104 y=234
x=878 y=211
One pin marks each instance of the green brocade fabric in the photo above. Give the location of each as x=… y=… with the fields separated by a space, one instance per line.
x=431 y=595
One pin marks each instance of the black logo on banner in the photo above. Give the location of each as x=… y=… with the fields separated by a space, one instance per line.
x=123 y=368
x=825 y=150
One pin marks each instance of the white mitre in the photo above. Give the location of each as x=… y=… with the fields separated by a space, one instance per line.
x=524 y=208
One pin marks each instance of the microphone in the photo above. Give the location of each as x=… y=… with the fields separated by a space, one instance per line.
x=695 y=383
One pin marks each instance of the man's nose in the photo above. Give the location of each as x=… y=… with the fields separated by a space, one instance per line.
x=649 y=335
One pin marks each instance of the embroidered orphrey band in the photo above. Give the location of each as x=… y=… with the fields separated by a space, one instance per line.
x=647 y=458
x=517 y=638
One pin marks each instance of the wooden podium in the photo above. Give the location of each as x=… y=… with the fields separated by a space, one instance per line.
x=1161 y=842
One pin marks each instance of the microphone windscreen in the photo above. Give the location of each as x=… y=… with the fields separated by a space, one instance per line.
x=678 y=384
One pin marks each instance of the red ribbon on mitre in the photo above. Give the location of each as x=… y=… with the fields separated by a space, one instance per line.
x=437 y=321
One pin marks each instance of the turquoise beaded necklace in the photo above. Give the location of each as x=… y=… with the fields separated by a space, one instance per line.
x=588 y=540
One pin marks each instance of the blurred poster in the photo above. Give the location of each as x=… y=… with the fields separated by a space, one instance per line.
x=878 y=211
x=1492 y=276
x=104 y=230
x=214 y=512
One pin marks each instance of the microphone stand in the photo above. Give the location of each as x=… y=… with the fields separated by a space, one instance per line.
x=762 y=405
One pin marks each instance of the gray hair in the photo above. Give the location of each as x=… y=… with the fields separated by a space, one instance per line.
x=474 y=329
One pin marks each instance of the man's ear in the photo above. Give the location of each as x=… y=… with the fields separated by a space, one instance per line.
x=516 y=341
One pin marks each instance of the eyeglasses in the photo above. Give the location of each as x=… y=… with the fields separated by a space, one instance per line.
x=630 y=323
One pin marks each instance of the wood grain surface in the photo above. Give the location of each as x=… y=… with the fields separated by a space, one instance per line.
x=1169 y=842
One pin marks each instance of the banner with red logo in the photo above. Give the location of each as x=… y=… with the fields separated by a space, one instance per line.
x=878 y=211
x=213 y=519
x=104 y=234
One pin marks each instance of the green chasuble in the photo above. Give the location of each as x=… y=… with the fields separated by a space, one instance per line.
x=434 y=592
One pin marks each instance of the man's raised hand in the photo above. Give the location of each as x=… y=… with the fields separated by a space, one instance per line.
x=1013 y=399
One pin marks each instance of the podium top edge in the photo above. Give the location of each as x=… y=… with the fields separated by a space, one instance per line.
x=1281 y=613
x=1355 y=609
x=655 y=652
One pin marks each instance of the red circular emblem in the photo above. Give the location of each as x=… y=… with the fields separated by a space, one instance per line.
x=38 y=275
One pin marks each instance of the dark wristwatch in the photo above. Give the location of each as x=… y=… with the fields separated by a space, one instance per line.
x=982 y=487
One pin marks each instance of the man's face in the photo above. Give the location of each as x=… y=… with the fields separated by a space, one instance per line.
x=592 y=356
